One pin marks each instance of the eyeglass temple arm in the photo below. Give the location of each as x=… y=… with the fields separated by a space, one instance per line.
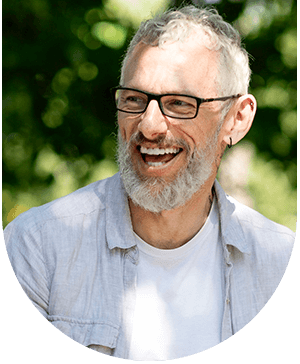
x=222 y=98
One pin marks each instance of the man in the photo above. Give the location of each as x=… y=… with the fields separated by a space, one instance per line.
x=157 y=262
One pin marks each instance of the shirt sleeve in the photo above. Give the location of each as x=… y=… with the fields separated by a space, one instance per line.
x=25 y=253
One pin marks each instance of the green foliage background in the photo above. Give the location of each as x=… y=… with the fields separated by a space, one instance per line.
x=60 y=59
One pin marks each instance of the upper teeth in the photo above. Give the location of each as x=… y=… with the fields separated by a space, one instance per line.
x=157 y=151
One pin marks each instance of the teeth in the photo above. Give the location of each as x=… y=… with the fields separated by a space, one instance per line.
x=155 y=164
x=158 y=151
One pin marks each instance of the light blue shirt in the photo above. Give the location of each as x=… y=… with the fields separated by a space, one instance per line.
x=76 y=258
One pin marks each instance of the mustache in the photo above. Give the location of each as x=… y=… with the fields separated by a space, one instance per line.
x=161 y=141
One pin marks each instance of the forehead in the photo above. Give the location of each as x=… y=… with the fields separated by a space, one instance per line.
x=187 y=66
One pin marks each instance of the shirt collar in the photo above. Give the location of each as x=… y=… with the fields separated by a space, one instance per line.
x=119 y=232
x=231 y=229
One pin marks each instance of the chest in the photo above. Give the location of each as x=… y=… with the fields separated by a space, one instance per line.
x=179 y=302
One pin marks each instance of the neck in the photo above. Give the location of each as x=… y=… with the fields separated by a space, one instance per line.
x=172 y=229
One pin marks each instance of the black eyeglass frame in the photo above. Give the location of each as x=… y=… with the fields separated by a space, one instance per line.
x=157 y=97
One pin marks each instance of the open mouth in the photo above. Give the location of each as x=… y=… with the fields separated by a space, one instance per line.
x=156 y=157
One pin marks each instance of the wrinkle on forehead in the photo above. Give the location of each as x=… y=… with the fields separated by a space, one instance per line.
x=179 y=62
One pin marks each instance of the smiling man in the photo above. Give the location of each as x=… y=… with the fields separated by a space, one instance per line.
x=158 y=262
x=175 y=142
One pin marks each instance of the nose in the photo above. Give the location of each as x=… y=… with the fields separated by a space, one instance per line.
x=153 y=123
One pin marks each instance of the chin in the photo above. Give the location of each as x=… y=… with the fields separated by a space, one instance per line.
x=157 y=194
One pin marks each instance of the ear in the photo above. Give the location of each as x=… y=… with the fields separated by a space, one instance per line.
x=238 y=121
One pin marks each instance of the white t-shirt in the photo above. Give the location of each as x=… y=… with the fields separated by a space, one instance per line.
x=179 y=296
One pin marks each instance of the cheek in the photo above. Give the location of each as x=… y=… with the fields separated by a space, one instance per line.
x=121 y=131
x=124 y=129
x=195 y=136
x=204 y=130
x=127 y=126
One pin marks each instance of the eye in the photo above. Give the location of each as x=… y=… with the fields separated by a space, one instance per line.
x=176 y=102
x=133 y=99
x=179 y=103
x=130 y=100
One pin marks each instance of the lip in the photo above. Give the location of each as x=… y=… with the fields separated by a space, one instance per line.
x=160 y=170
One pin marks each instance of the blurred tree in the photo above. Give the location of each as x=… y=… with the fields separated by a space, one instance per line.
x=60 y=60
x=58 y=67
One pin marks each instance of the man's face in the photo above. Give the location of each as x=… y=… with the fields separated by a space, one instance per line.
x=161 y=149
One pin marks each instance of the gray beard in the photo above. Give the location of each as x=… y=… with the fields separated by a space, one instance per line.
x=156 y=194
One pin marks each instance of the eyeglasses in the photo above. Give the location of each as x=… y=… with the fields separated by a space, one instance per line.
x=176 y=106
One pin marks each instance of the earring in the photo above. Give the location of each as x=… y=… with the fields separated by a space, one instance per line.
x=230 y=145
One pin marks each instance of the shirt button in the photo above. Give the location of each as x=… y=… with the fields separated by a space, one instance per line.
x=228 y=301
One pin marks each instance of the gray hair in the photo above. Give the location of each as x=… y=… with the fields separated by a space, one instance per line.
x=177 y=25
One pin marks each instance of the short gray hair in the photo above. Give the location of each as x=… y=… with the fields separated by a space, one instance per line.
x=176 y=25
